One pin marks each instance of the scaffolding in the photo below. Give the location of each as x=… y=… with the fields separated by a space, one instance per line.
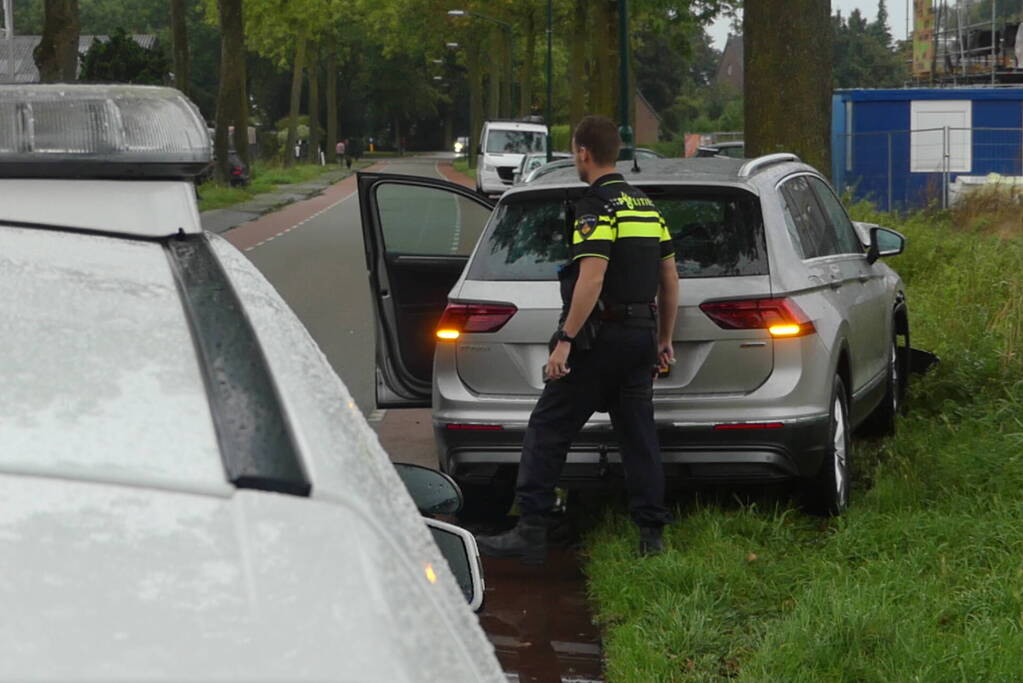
x=8 y=44
x=968 y=42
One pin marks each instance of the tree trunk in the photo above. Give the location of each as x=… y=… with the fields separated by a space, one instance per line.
x=331 y=95
x=232 y=107
x=506 y=78
x=56 y=56
x=179 y=34
x=577 y=64
x=449 y=125
x=397 y=134
x=475 y=100
x=494 y=72
x=295 y=101
x=241 y=117
x=528 y=64
x=313 y=73
x=603 y=76
x=788 y=79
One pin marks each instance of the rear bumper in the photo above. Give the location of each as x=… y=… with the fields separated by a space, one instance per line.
x=692 y=454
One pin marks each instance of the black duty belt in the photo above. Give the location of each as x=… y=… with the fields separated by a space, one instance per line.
x=622 y=312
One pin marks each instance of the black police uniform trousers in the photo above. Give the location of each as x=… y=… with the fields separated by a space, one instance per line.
x=616 y=375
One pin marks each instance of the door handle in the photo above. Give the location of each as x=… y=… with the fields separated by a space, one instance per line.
x=863 y=277
x=834 y=281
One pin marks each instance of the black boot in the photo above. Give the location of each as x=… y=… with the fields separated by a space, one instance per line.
x=527 y=541
x=650 y=541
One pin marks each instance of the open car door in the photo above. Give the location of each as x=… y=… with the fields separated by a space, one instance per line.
x=418 y=234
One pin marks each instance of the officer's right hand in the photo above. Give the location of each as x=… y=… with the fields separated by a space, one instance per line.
x=666 y=353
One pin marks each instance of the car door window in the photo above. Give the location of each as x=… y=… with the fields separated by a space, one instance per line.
x=427 y=221
x=814 y=229
x=838 y=219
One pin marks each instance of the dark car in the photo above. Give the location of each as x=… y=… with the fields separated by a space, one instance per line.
x=732 y=150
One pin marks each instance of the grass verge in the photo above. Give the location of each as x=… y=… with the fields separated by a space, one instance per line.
x=264 y=179
x=922 y=580
x=462 y=165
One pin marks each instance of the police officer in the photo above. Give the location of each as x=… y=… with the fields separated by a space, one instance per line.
x=610 y=338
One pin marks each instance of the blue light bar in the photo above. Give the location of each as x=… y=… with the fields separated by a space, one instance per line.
x=100 y=131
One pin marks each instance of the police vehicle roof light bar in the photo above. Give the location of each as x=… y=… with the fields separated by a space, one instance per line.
x=100 y=131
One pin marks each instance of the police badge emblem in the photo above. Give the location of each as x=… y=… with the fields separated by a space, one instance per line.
x=586 y=225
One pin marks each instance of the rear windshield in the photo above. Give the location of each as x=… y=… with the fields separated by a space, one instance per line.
x=515 y=142
x=717 y=233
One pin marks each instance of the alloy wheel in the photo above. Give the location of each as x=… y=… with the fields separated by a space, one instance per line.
x=839 y=446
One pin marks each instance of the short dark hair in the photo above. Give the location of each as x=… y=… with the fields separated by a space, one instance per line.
x=599 y=135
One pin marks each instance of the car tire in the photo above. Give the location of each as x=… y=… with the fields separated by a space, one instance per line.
x=882 y=421
x=827 y=494
x=486 y=502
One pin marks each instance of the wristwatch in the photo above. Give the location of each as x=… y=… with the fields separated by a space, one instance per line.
x=561 y=336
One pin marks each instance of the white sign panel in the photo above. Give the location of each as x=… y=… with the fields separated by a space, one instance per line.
x=929 y=139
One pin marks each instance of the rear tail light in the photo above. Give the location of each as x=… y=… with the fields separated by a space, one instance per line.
x=459 y=318
x=237 y=170
x=780 y=317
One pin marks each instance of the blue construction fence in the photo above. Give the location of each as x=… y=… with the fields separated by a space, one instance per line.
x=910 y=169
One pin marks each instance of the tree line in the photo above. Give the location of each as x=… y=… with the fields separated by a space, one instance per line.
x=407 y=69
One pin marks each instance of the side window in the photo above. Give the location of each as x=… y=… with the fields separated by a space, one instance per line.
x=814 y=229
x=790 y=227
x=441 y=223
x=845 y=233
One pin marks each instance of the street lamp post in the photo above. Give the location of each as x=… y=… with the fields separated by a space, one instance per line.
x=550 y=28
x=506 y=86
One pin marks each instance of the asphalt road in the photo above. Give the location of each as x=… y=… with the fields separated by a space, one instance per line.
x=318 y=266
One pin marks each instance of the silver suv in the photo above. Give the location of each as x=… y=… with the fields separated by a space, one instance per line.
x=790 y=332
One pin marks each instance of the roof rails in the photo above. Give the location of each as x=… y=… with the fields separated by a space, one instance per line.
x=754 y=165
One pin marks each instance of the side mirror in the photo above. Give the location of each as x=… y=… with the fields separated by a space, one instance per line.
x=434 y=493
x=458 y=547
x=884 y=242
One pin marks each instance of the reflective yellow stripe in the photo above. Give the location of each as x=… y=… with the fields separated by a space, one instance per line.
x=648 y=213
x=665 y=235
x=633 y=229
x=579 y=256
x=602 y=231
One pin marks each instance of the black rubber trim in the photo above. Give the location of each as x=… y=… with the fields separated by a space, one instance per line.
x=255 y=442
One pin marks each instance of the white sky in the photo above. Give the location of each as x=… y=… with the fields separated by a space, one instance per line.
x=868 y=8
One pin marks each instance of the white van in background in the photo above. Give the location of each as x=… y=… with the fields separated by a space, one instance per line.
x=502 y=146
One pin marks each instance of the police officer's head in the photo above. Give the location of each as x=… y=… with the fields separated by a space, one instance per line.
x=595 y=146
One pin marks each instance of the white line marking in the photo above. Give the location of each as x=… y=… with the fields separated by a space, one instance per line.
x=377 y=416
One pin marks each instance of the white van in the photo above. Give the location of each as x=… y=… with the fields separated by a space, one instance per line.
x=502 y=146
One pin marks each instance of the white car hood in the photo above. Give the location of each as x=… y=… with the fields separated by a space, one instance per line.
x=110 y=583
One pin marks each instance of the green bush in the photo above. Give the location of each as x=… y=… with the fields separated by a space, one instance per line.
x=920 y=580
x=671 y=149
x=561 y=138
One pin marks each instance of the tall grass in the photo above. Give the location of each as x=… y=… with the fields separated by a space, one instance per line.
x=265 y=178
x=922 y=580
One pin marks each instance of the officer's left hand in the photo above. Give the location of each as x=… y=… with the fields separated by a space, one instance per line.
x=557 y=364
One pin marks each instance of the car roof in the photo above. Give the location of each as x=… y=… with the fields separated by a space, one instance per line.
x=715 y=170
x=515 y=125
